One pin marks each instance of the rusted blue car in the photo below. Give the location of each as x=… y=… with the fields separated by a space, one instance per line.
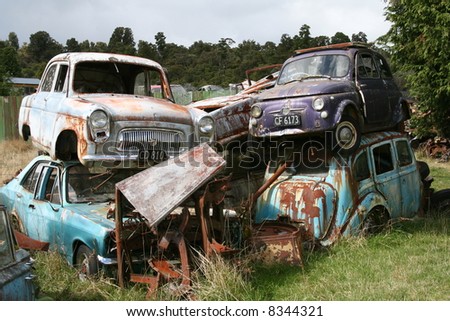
x=16 y=278
x=330 y=197
x=67 y=206
x=345 y=89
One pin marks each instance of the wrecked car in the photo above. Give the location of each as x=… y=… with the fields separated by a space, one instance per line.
x=99 y=108
x=16 y=278
x=346 y=89
x=331 y=197
x=68 y=206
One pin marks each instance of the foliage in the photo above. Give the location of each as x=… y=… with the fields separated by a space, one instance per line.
x=420 y=36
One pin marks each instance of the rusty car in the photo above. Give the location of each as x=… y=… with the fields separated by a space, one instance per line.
x=345 y=89
x=68 y=206
x=99 y=108
x=16 y=278
x=332 y=197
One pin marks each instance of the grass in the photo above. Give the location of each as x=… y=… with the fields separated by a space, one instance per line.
x=409 y=261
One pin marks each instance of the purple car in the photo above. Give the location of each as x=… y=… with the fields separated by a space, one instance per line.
x=345 y=89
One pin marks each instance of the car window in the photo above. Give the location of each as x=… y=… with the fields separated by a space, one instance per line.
x=322 y=65
x=361 y=167
x=382 y=157
x=32 y=177
x=383 y=67
x=403 y=153
x=6 y=249
x=49 y=77
x=366 y=66
x=52 y=193
x=61 y=79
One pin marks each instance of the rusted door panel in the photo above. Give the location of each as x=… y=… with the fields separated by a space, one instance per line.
x=158 y=190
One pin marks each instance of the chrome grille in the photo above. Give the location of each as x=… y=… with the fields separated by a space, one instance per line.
x=149 y=139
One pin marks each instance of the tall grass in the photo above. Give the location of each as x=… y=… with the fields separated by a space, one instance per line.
x=14 y=156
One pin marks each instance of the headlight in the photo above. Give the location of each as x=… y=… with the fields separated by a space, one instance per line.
x=255 y=111
x=206 y=125
x=98 y=119
x=318 y=103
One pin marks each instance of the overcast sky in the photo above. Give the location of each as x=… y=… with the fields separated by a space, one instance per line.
x=186 y=21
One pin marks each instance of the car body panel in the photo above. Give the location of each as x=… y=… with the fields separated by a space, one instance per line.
x=333 y=201
x=15 y=266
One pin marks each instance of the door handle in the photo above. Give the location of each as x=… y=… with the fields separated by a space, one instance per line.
x=18 y=195
x=31 y=206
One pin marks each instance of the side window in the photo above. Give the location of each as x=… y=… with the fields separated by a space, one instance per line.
x=52 y=186
x=6 y=249
x=49 y=77
x=382 y=158
x=361 y=167
x=61 y=80
x=33 y=176
x=403 y=153
x=383 y=67
x=366 y=66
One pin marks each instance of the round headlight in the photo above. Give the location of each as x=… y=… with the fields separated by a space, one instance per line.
x=206 y=125
x=98 y=119
x=318 y=103
x=255 y=111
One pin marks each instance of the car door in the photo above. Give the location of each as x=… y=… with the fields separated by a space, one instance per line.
x=38 y=206
x=372 y=89
x=37 y=123
x=411 y=186
x=387 y=179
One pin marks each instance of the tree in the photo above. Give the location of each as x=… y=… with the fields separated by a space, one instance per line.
x=359 y=37
x=13 y=40
x=303 y=40
x=42 y=47
x=420 y=49
x=339 y=37
x=122 y=41
x=160 y=39
x=72 y=45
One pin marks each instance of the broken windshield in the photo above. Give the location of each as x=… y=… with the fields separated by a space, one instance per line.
x=323 y=66
x=84 y=186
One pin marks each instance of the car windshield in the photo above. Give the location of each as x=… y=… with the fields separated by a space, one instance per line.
x=85 y=186
x=322 y=66
x=113 y=77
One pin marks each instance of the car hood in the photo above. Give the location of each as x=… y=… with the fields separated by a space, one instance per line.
x=134 y=108
x=97 y=213
x=307 y=88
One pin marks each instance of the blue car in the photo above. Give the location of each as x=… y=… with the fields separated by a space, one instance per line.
x=15 y=266
x=330 y=197
x=67 y=206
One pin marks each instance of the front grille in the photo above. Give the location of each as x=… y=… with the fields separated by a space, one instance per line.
x=150 y=139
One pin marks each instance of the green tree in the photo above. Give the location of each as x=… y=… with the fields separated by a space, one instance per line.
x=13 y=40
x=359 y=37
x=122 y=41
x=339 y=37
x=72 y=45
x=420 y=49
x=160 y=39
x=42 y=47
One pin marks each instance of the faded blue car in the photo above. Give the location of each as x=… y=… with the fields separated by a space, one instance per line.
x=345 y=89
x=68 y=206
x=16 y=278
x=331 y=197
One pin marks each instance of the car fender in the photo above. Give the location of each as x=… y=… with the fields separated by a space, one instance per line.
x=355 y=216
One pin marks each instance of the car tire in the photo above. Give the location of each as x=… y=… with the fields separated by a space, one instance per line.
x=375 y=221
x=86 y=261
x=440 y=202
x=347 y=135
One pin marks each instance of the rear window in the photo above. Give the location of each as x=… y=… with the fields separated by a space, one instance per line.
x=382 y=157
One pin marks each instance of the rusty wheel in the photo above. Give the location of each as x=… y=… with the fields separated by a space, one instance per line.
x=86 y=262
x=374 y=222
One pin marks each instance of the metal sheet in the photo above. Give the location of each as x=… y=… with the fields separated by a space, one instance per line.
x=158 y=190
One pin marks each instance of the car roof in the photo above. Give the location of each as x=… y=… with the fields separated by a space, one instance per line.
x=343 y=46
x=75 y=57
x=374 y=138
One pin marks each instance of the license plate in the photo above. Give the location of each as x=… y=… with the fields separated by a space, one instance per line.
x=155 y=155
x=288 y=120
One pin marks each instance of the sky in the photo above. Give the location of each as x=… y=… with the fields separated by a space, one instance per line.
x=184 y=22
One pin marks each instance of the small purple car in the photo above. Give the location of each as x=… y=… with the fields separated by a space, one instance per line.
x=346 y=89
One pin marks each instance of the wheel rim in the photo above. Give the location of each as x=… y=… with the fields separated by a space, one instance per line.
x=346 y=135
